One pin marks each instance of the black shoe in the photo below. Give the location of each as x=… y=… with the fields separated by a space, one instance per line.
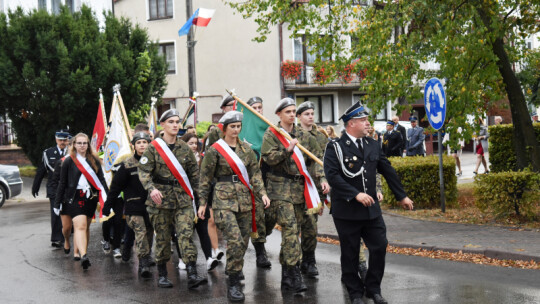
x=85 y=262
x=286 y=281
x=357 y=301
x=143 y=268
x=377 y=298
x=163 y=281
x=66 y=251
x=126 y=254
x=234 y=290
x=362 y=270
x=262 y=259
x=194 y=280
x=297 y=282
x=57 y=244
x=77 y=257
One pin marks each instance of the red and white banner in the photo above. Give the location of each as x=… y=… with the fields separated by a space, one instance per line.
x=176 y=168
x=92 y=178
x=99 y=127
x=240 y=170
x=310 y=191
x=204 y=16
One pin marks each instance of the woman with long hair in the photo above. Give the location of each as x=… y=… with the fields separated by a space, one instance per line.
x=331 y=132
x=234 y=167
x=78 y=194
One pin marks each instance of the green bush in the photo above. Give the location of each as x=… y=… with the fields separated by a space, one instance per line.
x=202 y=126
x=27 y=171
x=501 y=147
x=508 y=193
x=420 y=178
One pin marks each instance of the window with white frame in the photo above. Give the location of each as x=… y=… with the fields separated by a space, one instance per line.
x=55 y=6
x=167 y=50
x=160 y=9
x=42 y=4
x=324 y=107
x=382 y=115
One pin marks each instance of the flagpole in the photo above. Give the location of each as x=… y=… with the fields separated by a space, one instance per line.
x=186 y=115
x=315 y=158
x=191 y=55
x=121 y=104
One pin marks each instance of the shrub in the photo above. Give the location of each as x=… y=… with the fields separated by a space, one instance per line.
x=202 y=127
x=501 y=147
x=508 y=193
x=420 y=178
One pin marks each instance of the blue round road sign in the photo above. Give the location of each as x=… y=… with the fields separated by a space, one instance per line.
x=435 y=103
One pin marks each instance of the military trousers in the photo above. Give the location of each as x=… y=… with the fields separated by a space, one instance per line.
x=308 y=230
x=162 y=221
x=144 y=234
x=266 y=220
x=290 y=217
x=236 y=228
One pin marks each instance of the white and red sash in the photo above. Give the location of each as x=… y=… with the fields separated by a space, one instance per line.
x=176 y=168
x=310 y=191
x=241 y=171
x=92 y=178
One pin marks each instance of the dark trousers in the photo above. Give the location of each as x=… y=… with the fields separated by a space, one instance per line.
x=129 y=237
x=373 y=232
x=56 y=225
x=117 y=223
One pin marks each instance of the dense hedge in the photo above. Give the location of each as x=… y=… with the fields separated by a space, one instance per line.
x=501 y=147
x=508 y=193
x=420 y=178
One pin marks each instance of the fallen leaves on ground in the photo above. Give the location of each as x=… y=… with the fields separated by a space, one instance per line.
x=452 y=256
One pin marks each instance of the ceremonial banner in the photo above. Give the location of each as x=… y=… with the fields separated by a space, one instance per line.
x=253 y=129
x=152 y=120
x=99 y=127
x=117 y=141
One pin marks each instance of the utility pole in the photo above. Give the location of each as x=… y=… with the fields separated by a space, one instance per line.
x=191 y=59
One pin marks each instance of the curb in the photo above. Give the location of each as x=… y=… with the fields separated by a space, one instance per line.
x=490 y=253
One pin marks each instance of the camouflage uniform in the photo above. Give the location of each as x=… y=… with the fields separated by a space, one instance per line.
x=144 y=235
x=214 y=135
x=232 y=201
x=286 y=188
x=176 y=205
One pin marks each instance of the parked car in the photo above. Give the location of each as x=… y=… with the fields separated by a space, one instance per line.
x=11 y=183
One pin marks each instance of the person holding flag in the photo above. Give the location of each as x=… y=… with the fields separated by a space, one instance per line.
x=169 y=172
x=291 y=187
x=306 y=116
x=234 y=166
x=81 y=186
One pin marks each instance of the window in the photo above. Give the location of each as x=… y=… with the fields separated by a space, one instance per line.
x=55 y=6
x=70 y=5
x=42 y=4
x=167 y=50
x=302 y=53
x=160 y=9
x=382 y=115
x=324 y=107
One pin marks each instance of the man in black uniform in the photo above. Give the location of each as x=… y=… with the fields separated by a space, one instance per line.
x=351 y=164
x=392 y=144
x=50 y=157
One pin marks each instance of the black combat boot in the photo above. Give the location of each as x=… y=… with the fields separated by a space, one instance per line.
x=144 y=268
x=286 y=281
x=234 y=290
x=309 y=265
x=194 y=280
x=163 y=281
x=126 y=254
x=297 y=280
x=262 y=260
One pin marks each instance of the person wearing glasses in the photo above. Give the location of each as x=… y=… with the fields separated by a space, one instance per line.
x=50 y=157
x=80 y=186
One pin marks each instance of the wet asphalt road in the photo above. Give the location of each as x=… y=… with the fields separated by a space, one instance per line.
x=31 y=272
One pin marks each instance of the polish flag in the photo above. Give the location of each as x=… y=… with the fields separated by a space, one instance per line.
x=204 y=17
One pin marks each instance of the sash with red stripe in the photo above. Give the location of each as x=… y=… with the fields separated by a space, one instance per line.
x=241 y=171
x=92 y=178
x=176 y=168
x=310 y=191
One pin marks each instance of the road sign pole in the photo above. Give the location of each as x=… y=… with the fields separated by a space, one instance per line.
x=441 y=175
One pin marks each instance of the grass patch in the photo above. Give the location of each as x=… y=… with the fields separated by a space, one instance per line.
x=466 y=213
x=28 y=171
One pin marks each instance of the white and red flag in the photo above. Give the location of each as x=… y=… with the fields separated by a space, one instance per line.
x=201 y=17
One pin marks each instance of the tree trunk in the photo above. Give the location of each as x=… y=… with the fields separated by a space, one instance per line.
x=526 y=146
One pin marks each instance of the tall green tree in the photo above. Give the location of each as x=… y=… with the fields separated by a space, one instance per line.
x=52 y=66
x=474 y=43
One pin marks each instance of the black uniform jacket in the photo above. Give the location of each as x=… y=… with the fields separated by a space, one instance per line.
x=344 y=189
x=392 y=145
x=69 y=179
x=126 y=180
x=50 y=157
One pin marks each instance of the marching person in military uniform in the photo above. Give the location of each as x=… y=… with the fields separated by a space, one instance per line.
x=306 y=116
x=126 y=180
x=291 y=187
x=392 y=141
x=266 y=218
x=351 y=164
x=46 y=167
x=234 y=167
x=168 y=170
